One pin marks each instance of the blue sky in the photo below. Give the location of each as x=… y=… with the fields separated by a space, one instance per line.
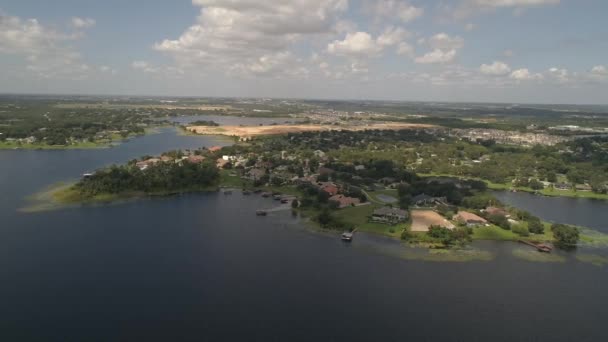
x=535 y=51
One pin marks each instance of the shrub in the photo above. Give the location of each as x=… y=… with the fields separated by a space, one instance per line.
x=520 y=230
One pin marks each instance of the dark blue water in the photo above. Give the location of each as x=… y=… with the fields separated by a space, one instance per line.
x=578 y=211
x=205 y=268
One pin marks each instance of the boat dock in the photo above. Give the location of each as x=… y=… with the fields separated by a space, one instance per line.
x=541 y=247
x=348 y=236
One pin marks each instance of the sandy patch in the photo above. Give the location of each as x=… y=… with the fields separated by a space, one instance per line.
x=251 y=131
x=423 y=219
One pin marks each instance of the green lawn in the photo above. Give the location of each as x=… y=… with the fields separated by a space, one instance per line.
x=359 y=216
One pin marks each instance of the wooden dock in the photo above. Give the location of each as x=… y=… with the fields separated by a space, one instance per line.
x=541 y=247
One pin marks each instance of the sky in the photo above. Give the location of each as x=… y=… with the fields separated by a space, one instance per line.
x=513 y=51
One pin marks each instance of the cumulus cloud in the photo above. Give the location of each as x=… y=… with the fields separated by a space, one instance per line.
x=524 y=75
x=232 y=34
x=466 y=8
x=599 y=70
x=437 y=56
x=495 y=69
x=405 y=49
x=445 y=42
x=400 y=10
x=362 y=44
x=355 y=44
x=561 y=75
x=45 y=51
x=82 y=23
x=444 y=48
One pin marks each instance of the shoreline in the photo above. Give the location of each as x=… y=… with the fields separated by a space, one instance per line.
x=544 y=192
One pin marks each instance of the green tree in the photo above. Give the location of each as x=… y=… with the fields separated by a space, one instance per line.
x=565 y=236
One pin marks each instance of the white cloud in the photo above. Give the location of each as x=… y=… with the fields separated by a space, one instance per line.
x=514 y=3
x=362 y=44
x=466 y=8
x=392 y=36
x=561 y=75
x=144 y=66
x=495 y=69
x=437 y=56
x=82 y=23
x=234 y=35
x=445 y=42
x=599 y=70
x=405 y=49
x=355 y=44
x=400 y=10
x=45 y=51
x=524 y=75
x=444 y=48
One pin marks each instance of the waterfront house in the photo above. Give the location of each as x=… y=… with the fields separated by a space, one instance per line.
x=144 y=164
x=583 y=187
x=470 y=219
x=389 y=215
x=497 y=211
x=345 y=201
x=214 y=148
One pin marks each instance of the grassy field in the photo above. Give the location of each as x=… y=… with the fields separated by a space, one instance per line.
x=359 y=216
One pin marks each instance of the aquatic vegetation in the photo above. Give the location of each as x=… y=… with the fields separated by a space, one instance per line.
x=594 y=259
x=535 y=256
x=593 y=238
x=448 y=255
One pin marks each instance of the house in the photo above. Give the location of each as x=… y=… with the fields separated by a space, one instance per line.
x=330 y=188
x=562 y=186
x=470 y=219
x=424 y=200
x=144 y=164
x=583 y=187
x=345 y=201
x=194 y=159
x=389 y=215
x=166 y=159
x=359 y=167
x=497 y=211
x=214 y=148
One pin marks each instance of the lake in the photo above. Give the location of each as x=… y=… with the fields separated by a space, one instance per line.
x=203 y=267
x=578 y=211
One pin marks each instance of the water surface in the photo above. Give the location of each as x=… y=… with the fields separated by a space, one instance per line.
x=203 y=267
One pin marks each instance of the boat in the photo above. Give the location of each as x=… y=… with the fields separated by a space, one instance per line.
x=228 y=192
x=277 y=197
x=246 y=192
x=261 y=213
x=265 y=194
x=257 y=191
x=347 y=236
x=284 y=200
